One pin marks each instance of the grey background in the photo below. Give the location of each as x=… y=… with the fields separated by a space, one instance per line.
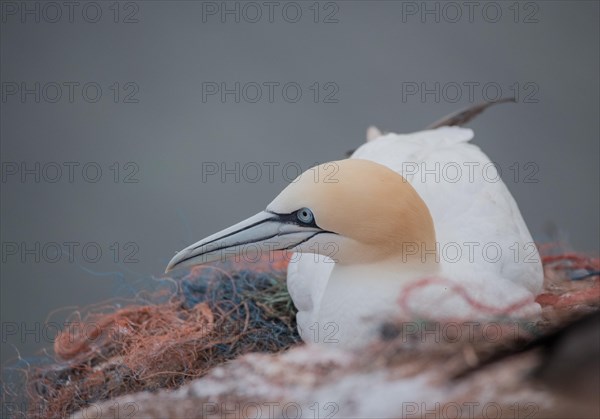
x=369 y=53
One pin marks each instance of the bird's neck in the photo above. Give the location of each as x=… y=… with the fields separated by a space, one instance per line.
x=398 y=269
x=359 y=297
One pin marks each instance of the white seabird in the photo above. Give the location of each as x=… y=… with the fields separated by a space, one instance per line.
x=370 y=228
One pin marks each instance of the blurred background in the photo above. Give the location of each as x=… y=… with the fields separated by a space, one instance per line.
x=132 y=129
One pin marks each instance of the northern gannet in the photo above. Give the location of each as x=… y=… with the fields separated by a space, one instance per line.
x=369 y=228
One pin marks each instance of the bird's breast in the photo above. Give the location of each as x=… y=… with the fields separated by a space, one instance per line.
x=356 y=301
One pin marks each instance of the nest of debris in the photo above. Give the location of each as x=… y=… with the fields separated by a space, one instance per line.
x=219 y=312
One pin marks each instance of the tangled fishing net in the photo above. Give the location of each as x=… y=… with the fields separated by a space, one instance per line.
x=216 y=314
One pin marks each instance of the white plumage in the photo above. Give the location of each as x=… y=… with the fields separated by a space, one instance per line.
x=473 y=212
x=404 y=209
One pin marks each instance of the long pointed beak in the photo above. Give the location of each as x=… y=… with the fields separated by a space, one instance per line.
x=263 y=232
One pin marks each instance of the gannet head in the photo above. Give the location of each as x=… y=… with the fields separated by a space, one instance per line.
x=354 y=211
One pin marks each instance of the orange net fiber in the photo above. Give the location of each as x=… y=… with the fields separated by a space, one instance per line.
x=218 y=313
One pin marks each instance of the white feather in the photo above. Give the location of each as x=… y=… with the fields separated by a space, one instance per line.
x=471 y=208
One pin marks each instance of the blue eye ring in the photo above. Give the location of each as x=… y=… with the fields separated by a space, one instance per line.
x=305 y=216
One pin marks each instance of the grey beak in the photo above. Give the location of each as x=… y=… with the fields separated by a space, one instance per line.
x=263 y=232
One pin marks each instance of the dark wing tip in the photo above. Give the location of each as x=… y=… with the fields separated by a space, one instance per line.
x=466 y=115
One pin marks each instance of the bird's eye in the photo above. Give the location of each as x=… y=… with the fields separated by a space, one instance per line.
x=305 y=216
